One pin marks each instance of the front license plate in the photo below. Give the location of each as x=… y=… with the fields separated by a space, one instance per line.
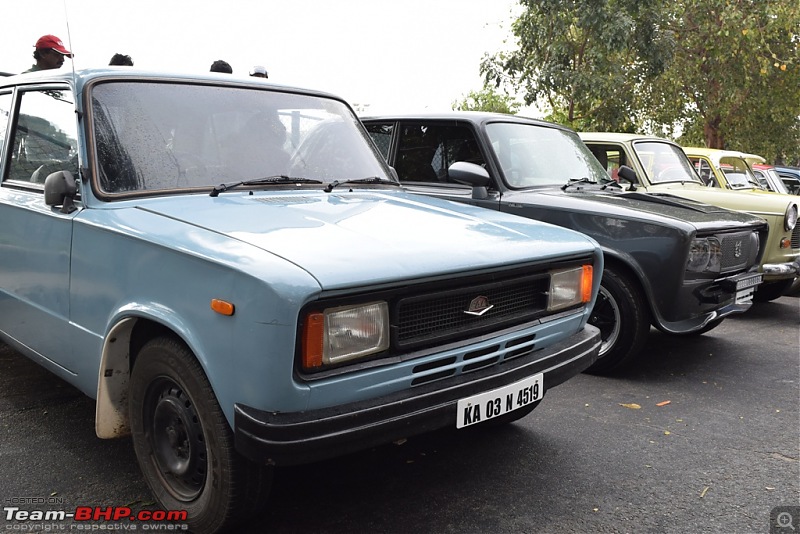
x=500 y=401
x=749 y=282
x=745 y=296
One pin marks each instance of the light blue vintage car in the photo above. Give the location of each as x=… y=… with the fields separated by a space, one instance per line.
x=237 y=278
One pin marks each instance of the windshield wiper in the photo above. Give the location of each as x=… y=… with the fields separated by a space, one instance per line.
x=277 y=179
x=612 y=183
x=370 y=180
x=576 y=181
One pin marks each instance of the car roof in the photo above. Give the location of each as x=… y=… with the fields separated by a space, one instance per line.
x=82 y=77
x=795 y=171
x=614 y=137
x=715 y=154
x=753 y=159
x=475 y=117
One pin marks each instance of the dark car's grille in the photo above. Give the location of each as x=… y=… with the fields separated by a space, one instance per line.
x=739 y=250
x=441 y=315
x=796 y=236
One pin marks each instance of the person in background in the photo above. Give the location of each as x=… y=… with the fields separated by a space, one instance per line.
x=49 y=53
x=259 y=72
x=121 y=59
x=221 y=66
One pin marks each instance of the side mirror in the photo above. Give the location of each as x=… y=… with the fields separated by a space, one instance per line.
x=60 y=189
x=472 y=175
x=629 y=175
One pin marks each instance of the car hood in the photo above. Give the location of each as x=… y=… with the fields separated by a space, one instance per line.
x=754 y=202
x=371 y=237
x=652 y=207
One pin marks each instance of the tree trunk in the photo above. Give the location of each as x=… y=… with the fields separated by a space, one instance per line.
x=714 y=137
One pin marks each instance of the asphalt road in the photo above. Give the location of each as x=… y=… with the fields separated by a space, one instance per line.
x=717 y=457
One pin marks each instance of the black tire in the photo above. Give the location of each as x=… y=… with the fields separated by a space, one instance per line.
x=184 y=444
x=623 y=318
x=772 y=290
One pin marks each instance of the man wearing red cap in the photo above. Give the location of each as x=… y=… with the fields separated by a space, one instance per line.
x=49 y=54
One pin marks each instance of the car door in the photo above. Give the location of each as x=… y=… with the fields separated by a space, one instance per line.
x=422 y=151
x=36 y=238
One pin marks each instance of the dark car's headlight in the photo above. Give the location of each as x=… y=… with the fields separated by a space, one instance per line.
x=345 y=333
x=705 y=255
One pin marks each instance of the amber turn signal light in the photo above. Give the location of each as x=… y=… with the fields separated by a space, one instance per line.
x=313 y=336
x=586 y=283
x=222 y=307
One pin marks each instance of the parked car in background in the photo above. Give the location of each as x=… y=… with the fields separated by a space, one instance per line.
x=726 y=169
x=661 y=166
x=766 y=174
x=769 y=178
x=790 y=177
x=675 y=264
x=229 y=268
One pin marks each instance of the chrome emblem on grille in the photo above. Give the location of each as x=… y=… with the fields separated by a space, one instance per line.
x=478 y=306
x=737 y=249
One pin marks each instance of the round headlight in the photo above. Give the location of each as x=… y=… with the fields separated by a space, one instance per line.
x=790 y=219
x=699 y=255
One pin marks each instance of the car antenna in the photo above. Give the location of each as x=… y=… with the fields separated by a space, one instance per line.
x=69 y=42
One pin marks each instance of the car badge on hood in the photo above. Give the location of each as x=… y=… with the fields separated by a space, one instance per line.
x=478 y=306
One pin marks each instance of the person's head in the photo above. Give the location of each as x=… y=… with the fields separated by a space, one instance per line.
x=50 y=52
x=221 y=66
x=121 y=59
x=259 y=72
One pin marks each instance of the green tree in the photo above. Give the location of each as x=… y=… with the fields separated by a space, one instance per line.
x=719 y=73
x=487 y=99
x=734 y=79
x=584 y=59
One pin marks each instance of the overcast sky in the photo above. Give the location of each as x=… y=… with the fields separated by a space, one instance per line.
x=396 y=56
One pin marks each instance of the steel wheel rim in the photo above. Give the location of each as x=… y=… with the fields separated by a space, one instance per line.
x=605 y=316
x=176 y=440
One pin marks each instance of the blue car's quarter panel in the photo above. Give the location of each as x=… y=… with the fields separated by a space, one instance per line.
x=113 y=278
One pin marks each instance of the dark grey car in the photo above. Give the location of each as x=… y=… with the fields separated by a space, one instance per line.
x=679 y=265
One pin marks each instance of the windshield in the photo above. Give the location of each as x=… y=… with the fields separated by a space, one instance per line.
x=532 y=155
x=665 y=162
x=738 y=174
x=169 y=136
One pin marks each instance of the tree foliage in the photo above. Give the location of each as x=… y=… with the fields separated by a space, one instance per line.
x=734 y=81
x=487 y=99
x=724 y=73
x=584 y=59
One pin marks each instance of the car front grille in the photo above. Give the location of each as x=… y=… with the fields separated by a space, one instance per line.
x=739 y=250
x=436 y=316
x=796 y=236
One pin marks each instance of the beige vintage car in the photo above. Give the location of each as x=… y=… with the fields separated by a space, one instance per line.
x=660 y=166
